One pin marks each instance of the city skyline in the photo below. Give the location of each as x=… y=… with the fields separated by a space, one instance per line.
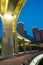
x=32 y=15
x=37 y=33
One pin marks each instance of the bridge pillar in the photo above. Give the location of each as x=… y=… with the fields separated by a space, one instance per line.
x=14 y=8
x=8 y=47
x=24 y=47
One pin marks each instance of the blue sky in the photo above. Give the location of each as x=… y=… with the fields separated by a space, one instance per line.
x=31 y=15
x=0 y=28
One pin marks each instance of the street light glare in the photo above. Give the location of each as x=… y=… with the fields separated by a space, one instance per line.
x=8 y=16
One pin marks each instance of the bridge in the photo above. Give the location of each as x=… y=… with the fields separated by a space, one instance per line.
x=24 y=59
x=9 y=13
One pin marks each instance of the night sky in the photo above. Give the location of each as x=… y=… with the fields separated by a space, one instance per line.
x=31 y=15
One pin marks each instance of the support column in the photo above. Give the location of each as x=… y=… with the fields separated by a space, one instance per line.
x=30 y=48
x=24 y=47
x=15 y=43
x=8 y=48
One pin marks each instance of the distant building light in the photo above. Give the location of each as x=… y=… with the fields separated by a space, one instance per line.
x=20 y=22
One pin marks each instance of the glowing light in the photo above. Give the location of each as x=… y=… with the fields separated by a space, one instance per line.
x=8 y=16
x=13 y=31
x=0 y=46
x=14 y=16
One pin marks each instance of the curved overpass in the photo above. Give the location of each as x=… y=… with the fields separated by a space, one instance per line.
x=21 y=37
x=36 y=60
x=14 y=7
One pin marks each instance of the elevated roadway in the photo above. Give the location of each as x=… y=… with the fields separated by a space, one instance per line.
x=36 y=58
x=29 y=59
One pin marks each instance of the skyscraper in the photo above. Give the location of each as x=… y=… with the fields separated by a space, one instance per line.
x=20 y=28
x=25 y=33
x=36 y=34
x=41 y=34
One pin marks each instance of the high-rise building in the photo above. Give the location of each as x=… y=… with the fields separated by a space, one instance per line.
x=20 y=28
x=36 y=34
x=41 y=35
x=25 y=33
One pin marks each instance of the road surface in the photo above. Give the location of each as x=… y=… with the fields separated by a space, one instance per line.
x=15 y=61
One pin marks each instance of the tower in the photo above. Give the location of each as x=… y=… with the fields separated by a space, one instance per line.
x=36 y=34
x=21 y=28
x=41 y=34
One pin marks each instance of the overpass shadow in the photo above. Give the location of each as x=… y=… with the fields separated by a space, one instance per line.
x=41 y=62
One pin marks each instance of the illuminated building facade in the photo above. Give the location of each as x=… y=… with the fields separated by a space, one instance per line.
x=25 y=33
x=36 y=34
x=21 y=28
x=41 y=34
